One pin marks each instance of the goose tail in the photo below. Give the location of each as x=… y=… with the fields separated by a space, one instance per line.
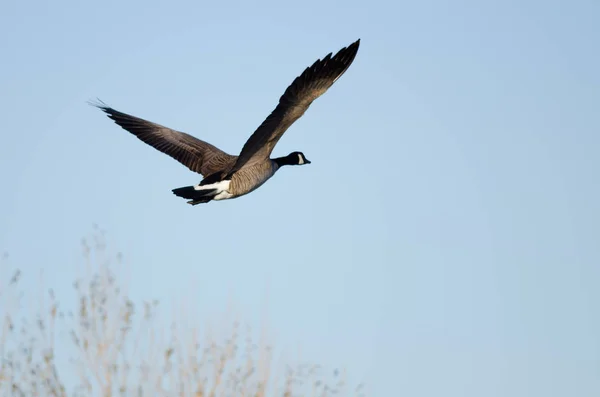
x=195 y=196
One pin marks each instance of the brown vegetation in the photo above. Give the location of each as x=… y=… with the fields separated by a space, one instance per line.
x=119 y=349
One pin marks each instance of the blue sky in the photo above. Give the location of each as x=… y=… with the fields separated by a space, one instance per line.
x=442 y=242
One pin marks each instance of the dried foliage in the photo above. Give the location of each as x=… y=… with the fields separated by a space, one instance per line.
x=113 y=347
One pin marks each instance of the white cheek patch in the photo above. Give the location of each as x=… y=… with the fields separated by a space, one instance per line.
x=300 y=159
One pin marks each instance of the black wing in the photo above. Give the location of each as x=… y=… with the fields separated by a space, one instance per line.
x=197 y=155
x=311 y=84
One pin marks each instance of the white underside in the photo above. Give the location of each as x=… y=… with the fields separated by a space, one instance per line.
x=222 y=189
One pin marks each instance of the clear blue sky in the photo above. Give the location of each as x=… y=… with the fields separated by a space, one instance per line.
x=444 y=240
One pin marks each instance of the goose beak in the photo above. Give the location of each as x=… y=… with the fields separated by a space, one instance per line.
x=307 y=161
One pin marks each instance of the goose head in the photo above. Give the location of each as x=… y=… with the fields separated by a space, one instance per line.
x=294 y=158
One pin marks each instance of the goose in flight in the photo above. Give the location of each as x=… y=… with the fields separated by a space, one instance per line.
x=227 y=176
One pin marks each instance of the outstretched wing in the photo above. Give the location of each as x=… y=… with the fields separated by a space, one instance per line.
x=197 y=155
x=307 y=87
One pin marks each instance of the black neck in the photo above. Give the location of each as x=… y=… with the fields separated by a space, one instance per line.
x=287 y=160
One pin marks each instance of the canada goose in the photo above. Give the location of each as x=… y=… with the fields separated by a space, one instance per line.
x=227 y=176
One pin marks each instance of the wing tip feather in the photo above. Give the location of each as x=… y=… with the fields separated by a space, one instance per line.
x=98 y=103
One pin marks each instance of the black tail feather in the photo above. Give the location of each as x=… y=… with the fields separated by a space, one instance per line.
x=195 y=196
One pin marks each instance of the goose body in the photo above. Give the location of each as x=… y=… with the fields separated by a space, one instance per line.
x=227 y=176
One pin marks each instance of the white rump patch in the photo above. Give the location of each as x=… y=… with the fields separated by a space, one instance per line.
x=222 y=189
x=224 y=195
x=221 y=185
